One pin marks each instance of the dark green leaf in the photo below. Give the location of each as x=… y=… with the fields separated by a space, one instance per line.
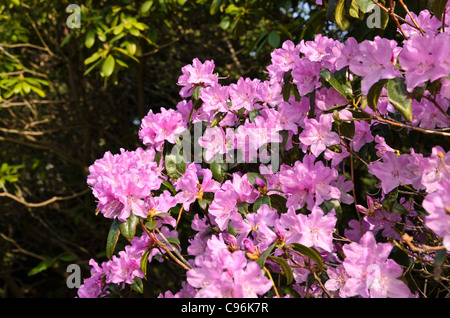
x=339 y=15
x=390 y=199
x=309 y=252
x=399 y=97
x=252 y=178
x=218 y=118
x=218 y=171
x=287 y=270
x=438 y=8
x=151 y=224
x=327 y=76
x=274 y=39
x=113 y=236
x=278 y=202
x=128 y=228
x=374 y=93
x=264 y=199
x=263 y=257
x=439 y=259
x=399 y=208
x=175 y=164
x=42 y=266
x=138 y=285
x=144 y=261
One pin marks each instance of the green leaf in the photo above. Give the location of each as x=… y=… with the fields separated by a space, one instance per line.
x=175 y=163
x=439 y=258
x=309 y=252
x=108 y=66
x=399 y=97
x=374 y=93
x=90 y=38
x=144 y=261
x=38 y=91
x=215 y=5
x=138 y=285
x=146 y=6
x=339 y=15
x=113 y=237
x=287 y=270
x=327 y=76
x=399 y=208
x=225 y=22
x=252 y=178
x=151 y=224
x=264 y=199
x=353 y=10
x=128 y=228
x=169 y=186
x=365 y=5
x=390 y=199
x=278 y=203
x=42 y=266
x=263 y=257
x=94 y=57
x=218 y=171
x=218 y=118
x=274 y=39
x=438 y=8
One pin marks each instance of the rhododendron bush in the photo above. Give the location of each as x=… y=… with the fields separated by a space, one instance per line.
x=251 y=187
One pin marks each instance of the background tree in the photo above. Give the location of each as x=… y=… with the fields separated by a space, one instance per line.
x=70 y=94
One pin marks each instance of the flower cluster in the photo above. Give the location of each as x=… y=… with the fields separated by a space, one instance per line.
x=297 y=217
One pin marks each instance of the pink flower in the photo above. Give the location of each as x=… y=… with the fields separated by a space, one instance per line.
x=157 y=128
x=223 y=207
x=432 y=169
x=317 y=229
x=425 y=58
x=318 y=135
x=319 y=50
x=123 y=269
x=437 y=204
x=344 y=52
x=190 y=187
x=282 y=61
x=122 y=182
x=262 y=223
x=391 y=171
x=370 y=272
x=196 y=74
x=94 y=286
x=427 y=22
x=363 y=135
x=306 y=75
x=427 y=115
x=213 y=142
x=242 y=94
x=226 y=275
x=215 y=97
x=374 y=61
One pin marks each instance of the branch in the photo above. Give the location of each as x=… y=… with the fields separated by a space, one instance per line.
x=40 y=204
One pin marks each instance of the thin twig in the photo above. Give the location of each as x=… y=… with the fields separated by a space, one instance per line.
x=46 y=202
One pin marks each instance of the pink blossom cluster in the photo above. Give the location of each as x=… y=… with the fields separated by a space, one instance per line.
x=254 y=219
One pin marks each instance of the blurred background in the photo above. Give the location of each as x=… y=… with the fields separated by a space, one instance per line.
x=76 y=77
